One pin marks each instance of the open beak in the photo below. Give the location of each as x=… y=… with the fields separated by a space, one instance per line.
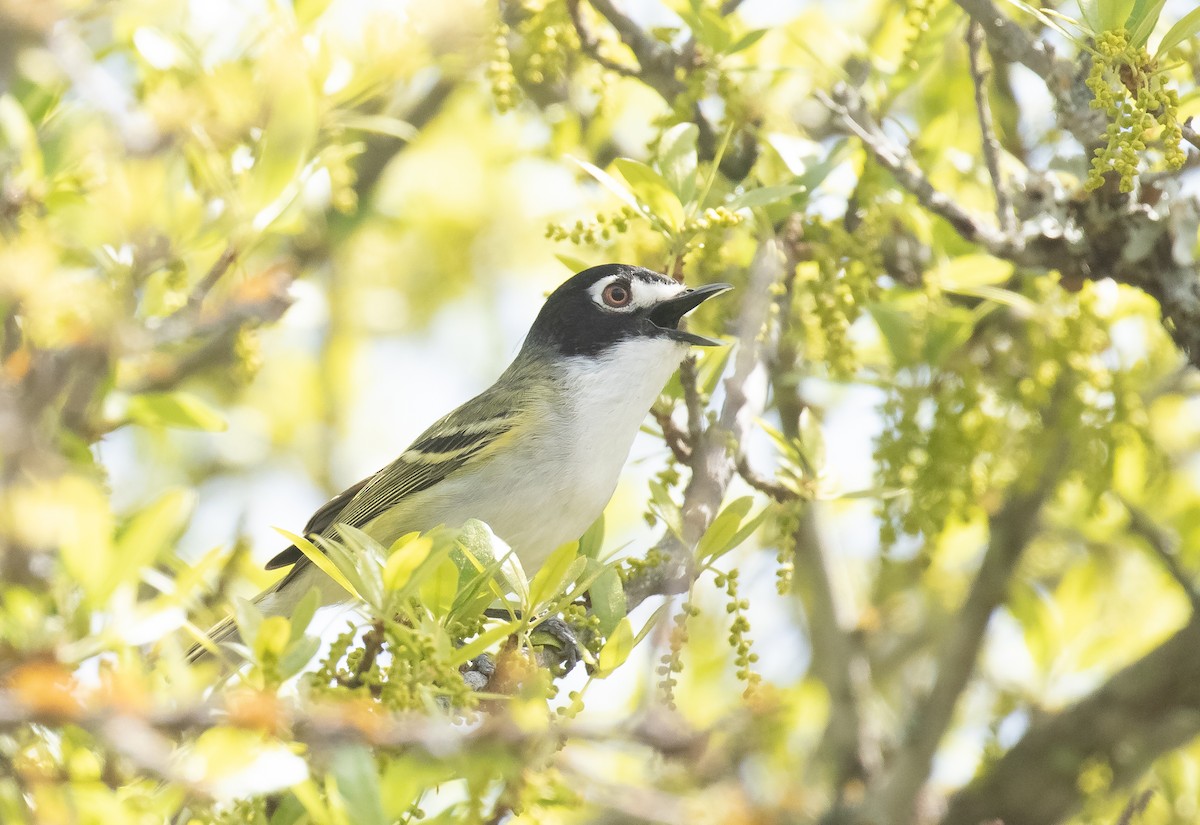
x=667 y=315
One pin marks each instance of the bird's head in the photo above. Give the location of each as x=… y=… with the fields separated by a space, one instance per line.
x=614 y=304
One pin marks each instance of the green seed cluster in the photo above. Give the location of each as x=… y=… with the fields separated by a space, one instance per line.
x=537 y=49
x=918 y=15
x=411 y=673
x=247 y=355
x=832 y=288
x=945 y=467
x=1067 y=371
x=717 y=217
x=952 y=443
x=586 y=626
x=670 y=665
x=785 y=543
x=590 y=233
x=1127 y=85
x=631 y=569
x=739 y=631
x=501 y=77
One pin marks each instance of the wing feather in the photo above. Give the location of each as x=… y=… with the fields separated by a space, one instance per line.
x=447 y=446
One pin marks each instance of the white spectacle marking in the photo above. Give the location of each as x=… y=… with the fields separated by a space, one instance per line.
x=644 y=293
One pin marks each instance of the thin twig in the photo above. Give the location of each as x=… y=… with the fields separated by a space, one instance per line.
x=991 y=146
x=214 y=274
x=711 y=460
x=591 y=45
x=1008 y=41
x=1011 y=530
x=769 y=487
x=1136 y=805
x=1165 y=547
x=850 y=109
x=673 y=435
x=656 y=59
x=1190 y=134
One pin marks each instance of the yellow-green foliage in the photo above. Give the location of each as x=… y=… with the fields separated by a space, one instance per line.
x=248 y=251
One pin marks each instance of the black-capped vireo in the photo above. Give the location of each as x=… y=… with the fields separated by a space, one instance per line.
x=537 y=455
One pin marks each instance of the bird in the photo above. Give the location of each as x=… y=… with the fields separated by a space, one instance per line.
x=537 y=455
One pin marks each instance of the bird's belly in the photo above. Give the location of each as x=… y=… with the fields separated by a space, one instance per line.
x=532 y=512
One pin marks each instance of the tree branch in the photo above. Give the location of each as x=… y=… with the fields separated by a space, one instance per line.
x=1148 y=246
x=1166 y=549
x=849 y=107
x=1011 y=43
x=991 y=146
x=1149 y=708
x=591 y=46
x=711 y=458
x=1011 y=530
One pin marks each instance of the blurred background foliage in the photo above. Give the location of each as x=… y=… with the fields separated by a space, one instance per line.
x=939 y=501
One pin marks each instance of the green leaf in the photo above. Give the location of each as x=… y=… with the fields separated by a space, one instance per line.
x=551 y=579
x=174 y=409
x=18 y=135
x=592 y=541
x=86 y=536
x=677 y=159
x=974 y=270
x=1089 y=10
x=746 y=41
x=309 y=10
x=653 y=191
x=1143 y=19
x=730 y=529
x=616 y=649
x=1186 y=28
x=361 y=560
x=765 y=195
x=608 y=600
x=358 y=785
x=895 y=326
x=663 y=506
x=810 y=443
x=303 y=612
x=408 y=553
x=318 y=558
x=945 y=333
x=298 y=654
x=148 y=532
x=271 y=638
x=439 y=589
x=710 y=28
x=572 y=263
x=483 y=641
x=1106 y=15
x=248 y=618
x=288 y=137
x=649 y=625
x=380 y=125
x=612 y=185
x=723 y=527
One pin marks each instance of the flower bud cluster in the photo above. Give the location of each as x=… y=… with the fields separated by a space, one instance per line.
x=671 y=662
x=590 y=233
x=739 y=632
x=833 y=286
x=1127 y=85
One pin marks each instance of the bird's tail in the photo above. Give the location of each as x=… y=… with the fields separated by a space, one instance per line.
x=225 y=632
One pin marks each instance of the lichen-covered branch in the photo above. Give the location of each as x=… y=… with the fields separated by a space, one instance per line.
x=712 y=458
x=1145 y=710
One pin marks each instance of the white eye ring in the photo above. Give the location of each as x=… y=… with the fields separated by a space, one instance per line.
x=618 y=294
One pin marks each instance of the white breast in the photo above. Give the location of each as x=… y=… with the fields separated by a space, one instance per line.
x=554 y=480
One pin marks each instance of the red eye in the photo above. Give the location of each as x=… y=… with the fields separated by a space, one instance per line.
x=617 y=294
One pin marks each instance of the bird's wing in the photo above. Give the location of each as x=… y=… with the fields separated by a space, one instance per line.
x=450 y=444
